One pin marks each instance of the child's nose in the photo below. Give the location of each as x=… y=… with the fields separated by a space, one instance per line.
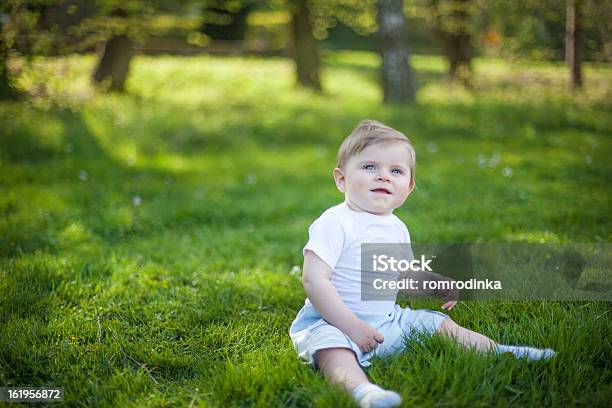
x=383 y=175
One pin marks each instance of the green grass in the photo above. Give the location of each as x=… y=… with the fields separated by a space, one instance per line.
x=147 y=240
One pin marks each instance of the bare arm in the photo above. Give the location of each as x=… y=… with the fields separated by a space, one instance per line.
x=316 y=280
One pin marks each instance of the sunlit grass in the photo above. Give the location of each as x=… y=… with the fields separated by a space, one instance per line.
x=149 y=241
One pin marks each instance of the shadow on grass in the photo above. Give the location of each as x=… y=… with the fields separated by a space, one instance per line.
x=296 y=126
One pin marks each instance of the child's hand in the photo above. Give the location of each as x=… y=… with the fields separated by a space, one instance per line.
x=366 y=337
x=451 y=296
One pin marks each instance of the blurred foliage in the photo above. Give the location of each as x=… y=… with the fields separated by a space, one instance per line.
x=498 y=27
x=360 y=15
x=451 y=22
x=444 y=14
x=54 y=27
x=536 y=29
x=18 y=25
x=519 y=28
x=138 y=19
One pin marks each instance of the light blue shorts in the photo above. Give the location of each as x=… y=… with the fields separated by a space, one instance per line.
x=310 y=333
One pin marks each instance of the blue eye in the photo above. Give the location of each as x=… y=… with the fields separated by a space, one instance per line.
x=368 y=167
x=397 y=171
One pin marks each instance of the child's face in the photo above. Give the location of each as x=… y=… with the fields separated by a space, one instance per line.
x=377 y=180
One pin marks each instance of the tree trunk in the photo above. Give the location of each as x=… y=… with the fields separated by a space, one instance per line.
x=305 y=53
x=459 y=44
x=460 y=59
x=114 y=63
x=574 y=43
x=7 y=92
x=233 y=30
x=397 y=77
x=452 y=28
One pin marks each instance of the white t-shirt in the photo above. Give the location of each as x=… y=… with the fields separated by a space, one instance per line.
x=336 y=237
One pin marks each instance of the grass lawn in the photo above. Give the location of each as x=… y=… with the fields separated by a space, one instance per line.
x=150 y=243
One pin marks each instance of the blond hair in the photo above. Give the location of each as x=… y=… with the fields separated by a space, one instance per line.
x=371 y=132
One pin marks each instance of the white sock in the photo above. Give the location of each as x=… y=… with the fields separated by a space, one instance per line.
x=531 y=353
x=370 y=395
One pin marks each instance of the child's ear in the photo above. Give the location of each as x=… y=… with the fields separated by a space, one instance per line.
x=411 y=186
x=340 y=180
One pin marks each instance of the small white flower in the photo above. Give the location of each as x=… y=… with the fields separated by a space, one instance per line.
x=507 y=171
x=494 y=160
x=83 y=175
x=136 y=200
x=482 y=160
x=295 y=269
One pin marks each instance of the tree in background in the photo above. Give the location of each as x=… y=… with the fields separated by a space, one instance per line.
x=7 y=91
x=46 y=27
x=117 y=52
x=574 y=42
x=397 y=77
x=118 y=26
x=381 y=18
x=358 y=15
x=525 y=28
x=305 y=52
x=537 y=29
x=451 y=22
x=226 y=19
x=17 y=34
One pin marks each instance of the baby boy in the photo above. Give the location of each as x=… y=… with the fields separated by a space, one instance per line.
x=336 y=330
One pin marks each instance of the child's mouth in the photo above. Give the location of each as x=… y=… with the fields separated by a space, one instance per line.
x=381 y=191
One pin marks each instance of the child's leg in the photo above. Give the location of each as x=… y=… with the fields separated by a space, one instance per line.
x=340 y=366
x=466 y=337
x=480 y=342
